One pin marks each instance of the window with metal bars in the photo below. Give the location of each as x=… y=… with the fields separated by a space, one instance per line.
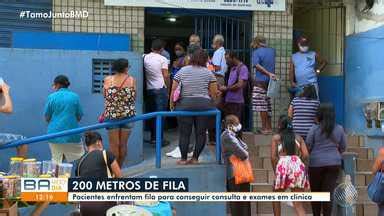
x=100 y=69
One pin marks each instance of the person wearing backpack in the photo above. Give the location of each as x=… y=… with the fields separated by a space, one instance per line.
x=234 y=89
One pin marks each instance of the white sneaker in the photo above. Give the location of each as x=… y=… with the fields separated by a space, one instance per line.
x=175 y=153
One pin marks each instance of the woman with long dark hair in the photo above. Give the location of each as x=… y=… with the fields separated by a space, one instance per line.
x=119 y=99
x=326 y=142
x=288 y=156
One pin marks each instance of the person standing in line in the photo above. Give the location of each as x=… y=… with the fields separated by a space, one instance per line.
x=198 y=88
x=305 y=66
x=288 y=156
x=157 y=82
x=97 y=163
x=180 y=58
x=120 y=97
x=303 y=110
x=219 y=68
x=63 y=112
x=263 y=62
x=326 y=142
x=378 y=167
x=194 y=44
x=233 y=145
x=7 y=108
x=234 y=91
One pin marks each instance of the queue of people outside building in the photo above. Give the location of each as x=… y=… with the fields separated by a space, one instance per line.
x=306 y=148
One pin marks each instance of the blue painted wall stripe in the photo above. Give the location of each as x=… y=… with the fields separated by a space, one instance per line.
x=71 y=41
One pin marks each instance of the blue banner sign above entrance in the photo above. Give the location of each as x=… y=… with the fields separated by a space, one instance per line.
x=250 y=5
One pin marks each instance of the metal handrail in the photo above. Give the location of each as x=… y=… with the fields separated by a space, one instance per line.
x=159 y=127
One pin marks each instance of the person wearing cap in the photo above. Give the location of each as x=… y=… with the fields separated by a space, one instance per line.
x=305 y=66
x=263 y=62
x=63 y=112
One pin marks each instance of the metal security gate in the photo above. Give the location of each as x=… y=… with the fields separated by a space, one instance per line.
x=237 y=32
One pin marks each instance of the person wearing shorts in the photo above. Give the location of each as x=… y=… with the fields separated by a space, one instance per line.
x=63 y=112
x=119 y=97
x=263 y=61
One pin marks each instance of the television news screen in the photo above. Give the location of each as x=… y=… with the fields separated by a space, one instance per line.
x=191 y=108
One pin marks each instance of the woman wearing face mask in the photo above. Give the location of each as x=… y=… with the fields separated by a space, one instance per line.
x=305 y=66
x=180 y=59
x=233 y=145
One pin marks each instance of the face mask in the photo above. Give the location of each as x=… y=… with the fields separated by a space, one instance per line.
x=237 y=128
x=179 y=53
x=303 y=48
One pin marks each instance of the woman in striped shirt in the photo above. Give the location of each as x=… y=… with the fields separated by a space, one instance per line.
x=303 y=111
x=198 y=89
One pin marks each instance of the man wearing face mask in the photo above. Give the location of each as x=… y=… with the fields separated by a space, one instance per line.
x=305 y=66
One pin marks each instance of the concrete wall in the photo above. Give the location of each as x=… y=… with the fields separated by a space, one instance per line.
x=364 y=79
x=30 y=72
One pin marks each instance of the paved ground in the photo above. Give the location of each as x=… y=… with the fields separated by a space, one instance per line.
x=207 y=156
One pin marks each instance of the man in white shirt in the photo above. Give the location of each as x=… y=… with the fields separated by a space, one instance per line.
x=218 y=58
x=157 y=80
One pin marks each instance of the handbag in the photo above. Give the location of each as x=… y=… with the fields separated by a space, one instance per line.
x=242 y=170
x=376 y=187
x=106 y=164
x=176 y=93
x=101 y=117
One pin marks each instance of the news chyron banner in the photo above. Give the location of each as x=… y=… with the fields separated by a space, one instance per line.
x=143 y=189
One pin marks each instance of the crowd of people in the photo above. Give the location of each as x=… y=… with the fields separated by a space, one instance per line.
x=305 y=151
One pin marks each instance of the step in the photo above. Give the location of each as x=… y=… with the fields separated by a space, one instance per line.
x=366 y=209
x=256 y=139
x=261 y=187
x=364 y=165
x=362 y=195
x=362 y=152
x=265 y=208
x=363 y=178
x=263 y=176
x=355 y=141
x=261 y=162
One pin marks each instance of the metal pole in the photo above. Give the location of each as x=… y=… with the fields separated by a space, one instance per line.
x=159 y=134
x=218 y=137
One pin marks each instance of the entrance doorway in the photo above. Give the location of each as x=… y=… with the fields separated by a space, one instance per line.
x=323 y=22
x=176 y=25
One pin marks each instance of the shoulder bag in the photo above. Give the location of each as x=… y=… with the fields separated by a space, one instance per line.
x=376 y=187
